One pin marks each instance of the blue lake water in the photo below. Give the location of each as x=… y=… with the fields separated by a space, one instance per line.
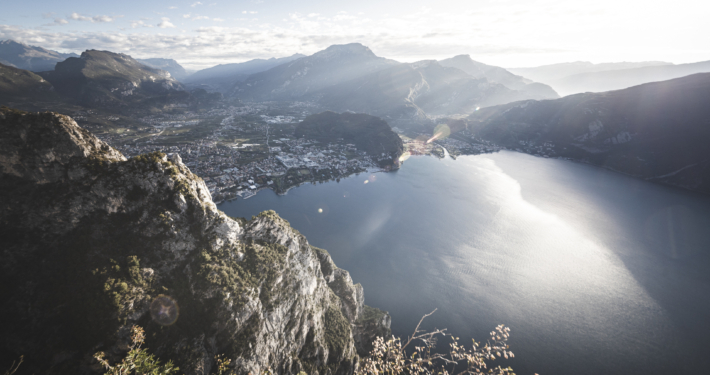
x=595 y=272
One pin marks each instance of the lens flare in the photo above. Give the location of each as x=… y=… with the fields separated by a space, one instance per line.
x=441 y=131
x=164 y=310
x=406 y=155
x=366 y=181
x=320 y=210
x=372 y=178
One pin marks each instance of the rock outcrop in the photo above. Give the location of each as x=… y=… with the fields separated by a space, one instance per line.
x=92 y=243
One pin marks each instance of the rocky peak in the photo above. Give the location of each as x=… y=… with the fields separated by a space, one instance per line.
x=342 y=50
x=92 y=240
x=41 y=147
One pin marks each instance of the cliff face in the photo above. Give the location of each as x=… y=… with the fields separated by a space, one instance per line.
x=94 y=243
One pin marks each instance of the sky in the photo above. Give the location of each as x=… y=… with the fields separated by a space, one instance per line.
x=507 y=33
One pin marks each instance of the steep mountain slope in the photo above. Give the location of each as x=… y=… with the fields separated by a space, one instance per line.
x=107 y=78
x=658 y=131
x=414 y=91
x=93 y=243
x=370 y=134
x=621 y=79
x=169 y=65
x=553 y=72
x=223 y=77
x=496 y=74
x=35 y=59
x=294 y=80
x=17 y=85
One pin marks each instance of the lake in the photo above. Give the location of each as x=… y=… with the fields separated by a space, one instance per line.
x=593 y=271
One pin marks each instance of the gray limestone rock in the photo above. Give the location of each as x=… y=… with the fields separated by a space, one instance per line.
x=92 y=242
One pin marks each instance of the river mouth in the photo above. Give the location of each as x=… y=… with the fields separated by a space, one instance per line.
x=594 y=271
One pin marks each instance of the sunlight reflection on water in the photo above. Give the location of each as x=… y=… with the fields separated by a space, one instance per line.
x=571 y=257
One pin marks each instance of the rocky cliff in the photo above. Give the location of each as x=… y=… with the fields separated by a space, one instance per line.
x=93 y=243
x=103 y=78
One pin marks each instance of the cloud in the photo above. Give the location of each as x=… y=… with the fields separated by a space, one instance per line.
x=198 y=17
x=48 y=15
x=95 y=19
x=196 y=4
x=57 y=22
x=172 y=7
x=137 y=24
x=494 y=34
x=77 y=17
x=165 y=24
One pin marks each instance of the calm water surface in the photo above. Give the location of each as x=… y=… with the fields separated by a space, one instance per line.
x=594 y=272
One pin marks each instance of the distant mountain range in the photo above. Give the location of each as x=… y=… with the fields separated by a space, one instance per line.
x=414 y=91
x=574 y=78
x=35 y=59
x=302 y=77
x=106 y=78
x=352 y=78
x=553 y=72
x=658 y=131
x=169 y=65
x=499 y=75
x=223 y=77
x=17 y=85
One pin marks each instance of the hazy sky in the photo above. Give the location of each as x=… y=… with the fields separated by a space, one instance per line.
x=509 y=33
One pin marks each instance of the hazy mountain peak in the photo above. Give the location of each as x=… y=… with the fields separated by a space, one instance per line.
x=423 y=64
x=223 y=77
x=342 y=50
x=28 y=57
x=169 y=65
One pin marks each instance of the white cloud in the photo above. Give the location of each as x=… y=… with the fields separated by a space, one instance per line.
x=187 y=15
x=77 y=17
x=165 y=23
x=217 y=20
x=172 y=7
x=137 y=24
x=196 y=4
x=48 y=15
x=496 y=33
x=198 y=17
x=102 y=19
x=95 y=19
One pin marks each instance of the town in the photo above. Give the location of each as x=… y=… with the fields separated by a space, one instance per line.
x=240 y=149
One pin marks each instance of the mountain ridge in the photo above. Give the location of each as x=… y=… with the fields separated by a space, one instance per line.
x=103 y=78
x=32 y=58
x=657 y=131
x=223 y=77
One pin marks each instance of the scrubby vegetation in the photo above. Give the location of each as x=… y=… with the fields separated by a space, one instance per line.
x=138 y=361
x=391 y=357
